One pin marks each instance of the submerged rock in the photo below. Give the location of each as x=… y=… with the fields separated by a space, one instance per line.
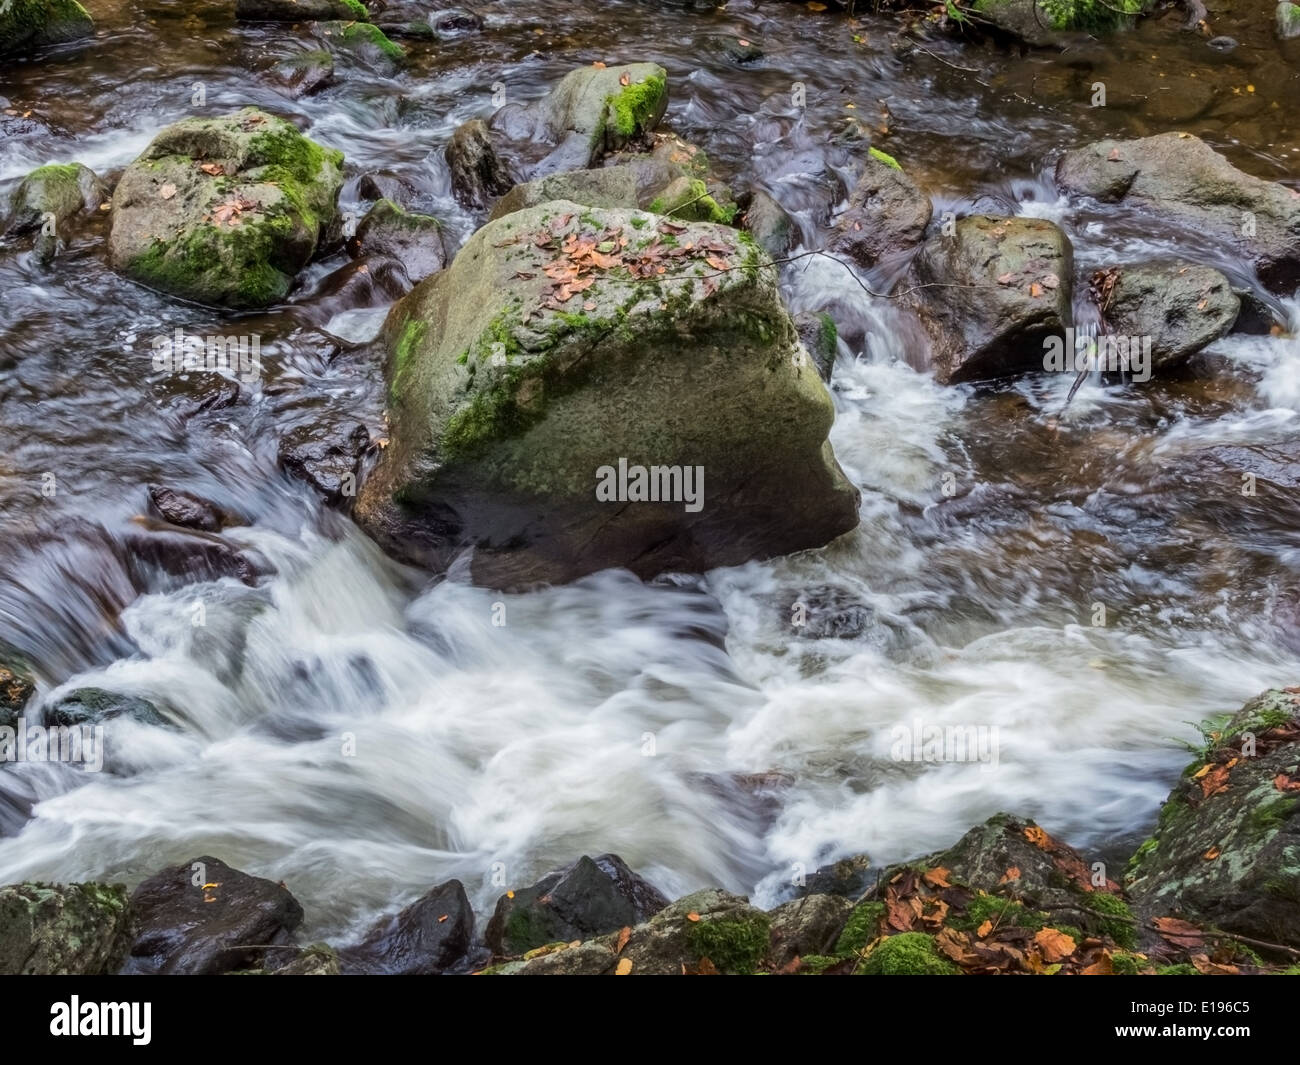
x=63 y=929
x=188 y=510
x=887 y=214
x=54 y=194
x=1226 y=850
x=553 y=354
x=425 y=938
x=1182 y=180
x=225 y=211
x=203 y=917
x=27 y=24
x=305 y=72
x=591 y=112
x=364 y=43
x=591 y=897
x=1181 y=306
x=327 y=455
x=414 y=240
x=17 y=685
x=991 y=294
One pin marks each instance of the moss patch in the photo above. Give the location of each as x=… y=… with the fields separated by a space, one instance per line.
x=735 y=942
x=884 y=157
x=861 y=928
x=908 y=954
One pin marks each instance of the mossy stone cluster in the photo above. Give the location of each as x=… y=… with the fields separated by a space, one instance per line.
x=225 y=211
x=63 y=929
x=26 y=24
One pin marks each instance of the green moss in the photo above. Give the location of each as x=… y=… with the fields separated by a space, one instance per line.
x=634 y=109
x=1270 y=816
x=816 y=964
x=861 y=928
x=368 y=33
x=884 y=157
x=1126 y=964
x=55 y=172
x=1000 y=912
x=735 y=942
x=1116 y=918
x=357 y=10
x=695 y=204
x=1178 y=970
x=412 y=333
x=1079 y=14
x=829 y=335
x=908 y=954
x=27 y=22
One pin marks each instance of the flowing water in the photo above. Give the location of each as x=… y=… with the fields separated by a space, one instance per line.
x=684 y=723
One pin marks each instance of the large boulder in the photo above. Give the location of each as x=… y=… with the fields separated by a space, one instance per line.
x=591 y=897
x=991 y=294
x=363 y=44
x=205 y=918
x=592 y=112
x=425 y=938
x=411 y=239
x=63 y=929
x=48 y=199
x=1049 y=22
x=810 y=925
x=1226 y=850
x=225 y=211
x=1181 y=306
x=1184 y=181
x=887 y=214
x=27 y=24
x=575 y=369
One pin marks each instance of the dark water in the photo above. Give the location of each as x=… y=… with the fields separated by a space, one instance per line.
x=524 y=745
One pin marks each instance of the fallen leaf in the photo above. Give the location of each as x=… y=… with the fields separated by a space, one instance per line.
x=984 y=929
x=1285 y=783
x=625 y=79
x=1006 y=279
x=1011 y=874
x=937 y=877
x=214 y=169
x=1179 y=933
x=813 y=5
x=1035 y=290
x=442 y=918
x=624 y=967
x=1054 y=944
x=1114 y=156
x=1215 y=781
x=1211 y=854
x=1038 y=837
x=510 y=894
x=598 y=65
x=1101 y=967
x=692 y=916
x=624 y=934
x=167 y=191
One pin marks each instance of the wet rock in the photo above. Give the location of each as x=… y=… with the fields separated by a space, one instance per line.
x=326 y=456
x=178 y=228
x=738 y=51
x=713 y=925
x=306 y=72
x=500 y=398
x=94 y=706
x=1181 y=306
x=804 y=926
x=380 y=185
x=300 y=10
x=363 y=43
x=63 y=929
x=1182 y=180
x=887 y=214
x=361 y=283
x=636 y=184
x=770 y=226
x=820 y=338
x=203 y=918
x=414 y=240
x=188 y=510
x=51 y=198
x=17 y=685
x=1222 y=44
x=191 y=554
x=425 y=938
x=1260 y=312
x=1047 y=23
x=1240 y=804
x=591 y=897
x=406 y=18
x=991 y=294
x=478 y=173
x=1288 y=20
x=29 y=24
x=591 y=113
x=830 y=613
x=848 y=877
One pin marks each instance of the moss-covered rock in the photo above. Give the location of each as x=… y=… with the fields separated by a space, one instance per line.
x=413 y=240
x=63 y=929
x=27 y=24
x=591 y=113
x=887 y=213
x=364 y=43
x=225 y=211
x=1288 y=20
x=807 y=926
x=301 y=10
x=48 y=199
x=1042 y=22
x=95 y=706
x=565 y=344
x=1226 y=850
x=907 y=954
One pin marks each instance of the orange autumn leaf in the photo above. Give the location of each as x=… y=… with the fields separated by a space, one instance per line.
x=1215 y=781
x=624 y=934
x=692 y=916
x=1035 y=290
x=1101 y=967
x=1012 y=873
x=1179 y=933
x=1285 y=783
x=984 y=929
x=1211 y=854
x=625 y=79
x=937 y=877
x=624 y=967
x=1038 y=837
x=1054 y=944
x=442 y=918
